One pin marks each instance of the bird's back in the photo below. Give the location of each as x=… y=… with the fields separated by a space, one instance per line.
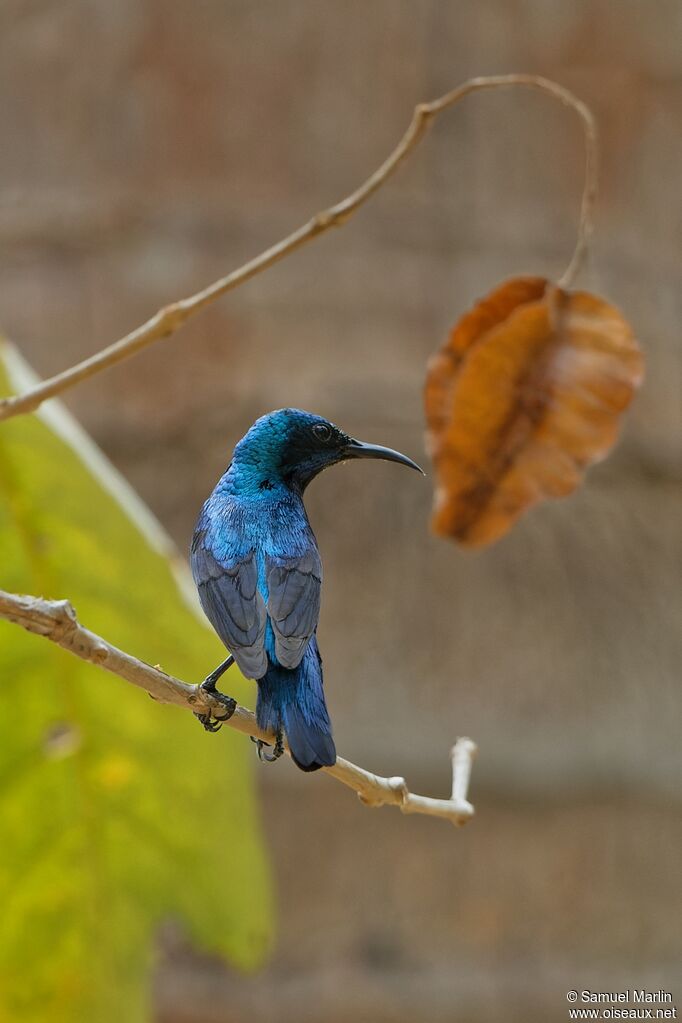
x=258 y=572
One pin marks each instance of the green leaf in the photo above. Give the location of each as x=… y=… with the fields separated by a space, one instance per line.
x=115 y=812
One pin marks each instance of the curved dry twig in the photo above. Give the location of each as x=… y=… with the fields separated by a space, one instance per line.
x=170 y=318
x=56 y=620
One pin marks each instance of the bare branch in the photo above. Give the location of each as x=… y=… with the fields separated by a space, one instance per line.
x=56 y=620
x=169 y=319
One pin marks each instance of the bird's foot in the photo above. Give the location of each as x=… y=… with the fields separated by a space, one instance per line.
x=277 y=749
x=214 y=722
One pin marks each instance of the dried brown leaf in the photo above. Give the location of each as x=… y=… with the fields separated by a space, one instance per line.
x=526 y=393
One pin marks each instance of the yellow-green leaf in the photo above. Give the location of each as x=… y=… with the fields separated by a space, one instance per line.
x=115 y=812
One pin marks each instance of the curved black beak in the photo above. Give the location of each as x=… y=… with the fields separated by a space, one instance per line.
x=356 y=449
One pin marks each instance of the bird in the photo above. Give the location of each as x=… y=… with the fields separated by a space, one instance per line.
x=258 y=572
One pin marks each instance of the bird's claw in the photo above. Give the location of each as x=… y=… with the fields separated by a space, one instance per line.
x=277 y=749
x=265 y=757
x=209 y=723
x=214 y=722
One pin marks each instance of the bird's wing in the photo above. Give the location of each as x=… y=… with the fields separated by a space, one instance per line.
x=228 y=591
x=293 y=603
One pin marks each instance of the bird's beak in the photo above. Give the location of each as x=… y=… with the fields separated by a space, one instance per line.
x=357 y=449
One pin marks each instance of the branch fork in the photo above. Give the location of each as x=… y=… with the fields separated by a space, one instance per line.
x=394 y=791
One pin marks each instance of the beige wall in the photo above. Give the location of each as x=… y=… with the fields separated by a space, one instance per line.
x=149 y=147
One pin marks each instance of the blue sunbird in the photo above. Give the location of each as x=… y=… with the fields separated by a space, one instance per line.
x=257 y=568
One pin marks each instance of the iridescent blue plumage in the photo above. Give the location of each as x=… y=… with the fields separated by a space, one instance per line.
x=258 y=571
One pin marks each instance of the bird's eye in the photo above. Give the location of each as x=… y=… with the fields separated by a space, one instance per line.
x=322 y=432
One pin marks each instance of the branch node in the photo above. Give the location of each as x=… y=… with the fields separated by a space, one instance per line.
x=99 y=652
x=399 y=786
x=64 y=620
x=172 y=317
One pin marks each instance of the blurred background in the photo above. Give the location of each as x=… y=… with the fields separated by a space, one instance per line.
x=150 y=147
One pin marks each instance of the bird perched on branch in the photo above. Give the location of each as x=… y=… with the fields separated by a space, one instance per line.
x=258 y=571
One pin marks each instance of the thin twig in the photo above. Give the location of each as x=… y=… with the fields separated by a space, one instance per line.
x=170 y=318
x=56 y=620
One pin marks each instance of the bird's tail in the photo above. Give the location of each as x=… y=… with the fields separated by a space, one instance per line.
x=294 y=700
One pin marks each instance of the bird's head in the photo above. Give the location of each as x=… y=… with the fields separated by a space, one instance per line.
x=291 y=446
